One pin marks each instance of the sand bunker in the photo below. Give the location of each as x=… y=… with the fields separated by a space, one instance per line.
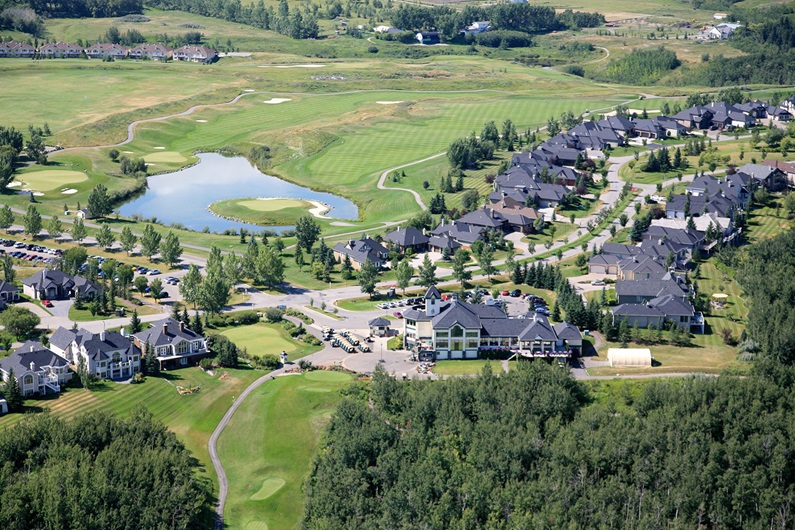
x=248 y=90
x=293 y=66
x=68 y=191
x=159 y=147
x=341 y=223
x=388 y=102
x=127 y=152
x=201 y=121
x=148 y=164
x=14 y=184
x=273 y=101
x=319 y=210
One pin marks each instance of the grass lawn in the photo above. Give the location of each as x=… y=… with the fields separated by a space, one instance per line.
x=170 y=157
x=49 y=179
x=764 y=223
x=268 y=446
x=272 y=212
x=191 y=417
x=562 y=231
x=264 y=338
x=464 y=367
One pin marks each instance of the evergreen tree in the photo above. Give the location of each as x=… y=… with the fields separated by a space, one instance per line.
x=196 y=324
x=150 y=242
x=31 y=221
x=128 y=240
x=151 y=364
x=78 y=231
x=368 y=276
x=6 y=217
x=135 y=323
x=299 y=257
x=460 y=263
x=105 y=237
x=12 y=392
x=99 y=204
x=426 y=274
x=347 y=268
x=677 y=162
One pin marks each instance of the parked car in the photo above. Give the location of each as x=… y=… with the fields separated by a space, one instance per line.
x=46 y=303
x=516 y=293
x=505 y=293
x=598 y=283
x=154 y=272
x=397 y=314
x=281 y=306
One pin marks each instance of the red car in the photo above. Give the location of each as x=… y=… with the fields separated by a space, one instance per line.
x=397 y=314
x=506 y=293
x=46 y=303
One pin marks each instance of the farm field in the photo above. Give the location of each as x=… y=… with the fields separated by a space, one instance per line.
x=282 y=421
x=262 y=339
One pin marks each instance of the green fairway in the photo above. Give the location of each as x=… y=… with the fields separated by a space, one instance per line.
x=273 y=212
x=263 y=338
x=268 y=446
x=50 y=179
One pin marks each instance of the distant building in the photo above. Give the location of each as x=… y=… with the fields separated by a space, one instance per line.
x=361 y=250
x=428 y=37
x=195 y=54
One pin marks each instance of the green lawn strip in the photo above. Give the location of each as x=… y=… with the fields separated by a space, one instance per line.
x=323 y=312
x=562 y=232
x=267 y=448
x=765 y=222
x=264 y=338
x=465 y=367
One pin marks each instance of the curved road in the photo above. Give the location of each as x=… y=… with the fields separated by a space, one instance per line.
x=417 y=197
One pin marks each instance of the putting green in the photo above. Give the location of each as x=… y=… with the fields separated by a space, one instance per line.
x=50 y=179
x=269 y=487
x=264 y=211
x=327 y=375
x=272 y=205
x=172 y=157
x=259 y=339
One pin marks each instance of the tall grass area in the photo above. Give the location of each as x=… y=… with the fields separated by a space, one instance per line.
x=268 y=446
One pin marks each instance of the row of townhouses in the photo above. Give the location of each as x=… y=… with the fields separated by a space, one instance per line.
x=65 y=50
x=41 y=370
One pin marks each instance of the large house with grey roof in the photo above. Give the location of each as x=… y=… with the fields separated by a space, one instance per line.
x=659 y=312
x=174 y=344
x=108 y=354
x=459 y=330
x=37 y=369
x=408 y=238
x=361 y=250
x=770 y=177
x=51 y=284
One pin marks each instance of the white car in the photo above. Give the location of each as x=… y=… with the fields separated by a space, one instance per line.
x=598 y=283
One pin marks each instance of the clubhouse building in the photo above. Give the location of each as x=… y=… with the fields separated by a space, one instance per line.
x=460 y=330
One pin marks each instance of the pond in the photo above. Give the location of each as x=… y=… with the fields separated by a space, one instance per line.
x=183 y=196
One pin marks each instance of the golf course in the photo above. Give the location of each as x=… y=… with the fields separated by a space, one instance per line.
x=266 y=211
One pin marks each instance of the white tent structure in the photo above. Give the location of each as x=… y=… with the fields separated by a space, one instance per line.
x=629 y=357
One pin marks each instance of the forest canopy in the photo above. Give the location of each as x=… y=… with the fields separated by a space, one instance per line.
x=532 y=449
x=98 y=471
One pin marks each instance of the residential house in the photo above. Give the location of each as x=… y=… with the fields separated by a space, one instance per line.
x=103 y=50
x=108 y=354
x=684 y=206
x=603 y=264
x=477 y=27
x=387 y=29
x=62 y=50
x=17 y=49
x=620 y=124
x=755 y=109
x=620 y=251
x=174 y=344
x=719 y=32
x=57 y=285
x=195 y=54
x=152 y=52
x=408 y=238
x=649 y=129
x=788 y=168
x=778 y=114
x=733 y=187
x=428 y=37
x=38 y=370
x=361 y=250
x=640 y=268
x=441 y=242
x=672 y=128
x=640 y=292
x=519 y=217
x=464 y=234
x=727 y=116
x=789 y=105
x=460 y=330
x=8 y=292
x=696 y=117
x=659 y=311
x=771 y=178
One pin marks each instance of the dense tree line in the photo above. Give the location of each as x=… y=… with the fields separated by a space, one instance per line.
x=767 y=275
x=82 y=8
x=98 y=471
x=296 y=23
x=530 y=449
x=21 y=19
x=642 y=67
x=521 y=17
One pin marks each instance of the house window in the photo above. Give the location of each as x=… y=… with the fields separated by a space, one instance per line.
x=182 y=347
x=196 y=345
x=442 y=334
x=472 y=344
x=28 y=380
x=684 y=318
x=472 y=334
x=183 y=362
x=457 y=331
x=442 y=344
x=116 y=357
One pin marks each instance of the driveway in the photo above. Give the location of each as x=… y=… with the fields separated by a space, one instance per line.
x=60 y=308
